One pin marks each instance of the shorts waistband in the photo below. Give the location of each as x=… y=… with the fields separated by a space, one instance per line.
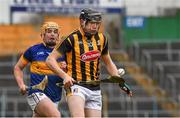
x=91 y=87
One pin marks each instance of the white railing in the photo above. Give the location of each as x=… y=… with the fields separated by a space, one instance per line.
x=172 y=84
x=136 y=48
x=159 y=72
x=14 y=101
x=155 y=68
x=146 y=59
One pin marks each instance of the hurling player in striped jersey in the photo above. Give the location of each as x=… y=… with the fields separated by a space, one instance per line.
x=83 y=50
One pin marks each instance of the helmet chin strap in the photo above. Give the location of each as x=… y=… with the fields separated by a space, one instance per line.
x=88 y=35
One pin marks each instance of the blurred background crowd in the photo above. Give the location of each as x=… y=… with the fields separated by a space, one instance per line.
x=143 y=39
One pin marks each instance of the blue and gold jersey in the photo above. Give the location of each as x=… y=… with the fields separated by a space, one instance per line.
x=37 y=55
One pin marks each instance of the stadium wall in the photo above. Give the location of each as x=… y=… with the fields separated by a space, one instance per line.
x=154 y=29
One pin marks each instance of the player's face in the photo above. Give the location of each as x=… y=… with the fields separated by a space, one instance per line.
x=92 y=27
x=51 y=37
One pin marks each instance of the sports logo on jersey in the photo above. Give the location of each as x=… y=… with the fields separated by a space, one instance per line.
x=90 y=56
x=40 y=53
x=43 y=53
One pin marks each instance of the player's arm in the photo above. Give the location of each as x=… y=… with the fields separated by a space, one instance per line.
x=112 y=69
x=53 y=65
x=18 y=73
x=110 y=66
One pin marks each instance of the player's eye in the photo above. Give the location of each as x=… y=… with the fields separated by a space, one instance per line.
x=48 y=30
x=56 y=31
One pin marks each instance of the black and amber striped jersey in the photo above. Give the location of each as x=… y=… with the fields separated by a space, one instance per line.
x=83 y=54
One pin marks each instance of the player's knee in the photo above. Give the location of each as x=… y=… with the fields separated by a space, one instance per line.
x=77 y=114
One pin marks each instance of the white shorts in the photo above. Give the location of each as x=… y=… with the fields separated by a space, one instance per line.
x=35 y=98
x=93 y=98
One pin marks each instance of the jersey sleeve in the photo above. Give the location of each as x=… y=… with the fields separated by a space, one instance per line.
x=62 y=58
x=27 y=55
x=105 y=46
x=64 y=47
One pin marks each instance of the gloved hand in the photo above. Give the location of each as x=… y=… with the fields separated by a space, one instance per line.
x=126 y=89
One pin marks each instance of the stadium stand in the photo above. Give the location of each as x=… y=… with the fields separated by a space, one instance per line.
x=172 y=86
x=138 y=47
x=12 y=104
x=160 y=60
x=143 y=104
x=150 y=57
x=161 y=69
x=14 y=40
x=175 y=45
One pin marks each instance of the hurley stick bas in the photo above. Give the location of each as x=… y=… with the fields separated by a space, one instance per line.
x=111 y=79
x=40 y=86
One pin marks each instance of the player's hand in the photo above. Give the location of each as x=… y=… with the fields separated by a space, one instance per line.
x=121 y=72
x=23 y=89
x=68 y=82
x=126 y=89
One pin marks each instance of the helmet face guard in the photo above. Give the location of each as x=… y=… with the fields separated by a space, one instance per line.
x=50 y=40
x=94 y=18
x=48 y=25
x=90 y=15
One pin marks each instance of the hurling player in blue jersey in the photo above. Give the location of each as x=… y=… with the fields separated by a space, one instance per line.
x=43 y=103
